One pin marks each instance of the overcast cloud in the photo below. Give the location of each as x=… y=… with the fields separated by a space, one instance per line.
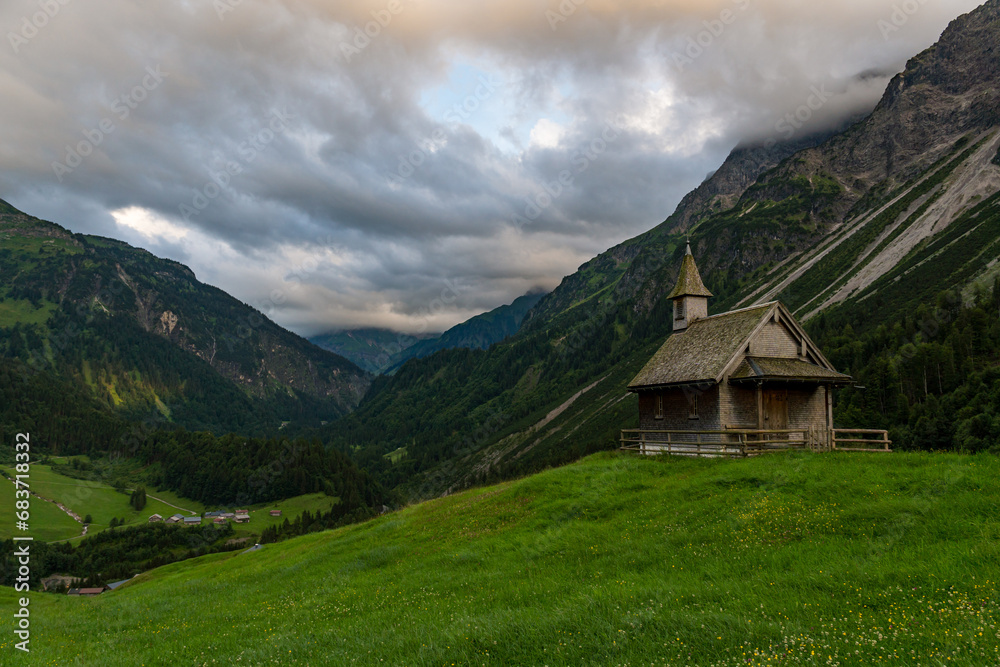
x=410 y=177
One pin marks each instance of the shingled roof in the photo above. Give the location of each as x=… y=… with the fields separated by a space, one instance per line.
x=689 y=280
x=796 y=370
x=701 y=353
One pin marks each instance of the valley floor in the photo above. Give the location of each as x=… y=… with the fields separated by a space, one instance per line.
x=823 y=559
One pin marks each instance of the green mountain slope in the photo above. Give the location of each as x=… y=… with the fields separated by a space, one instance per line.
x=797 y=559
x=861 y=229
x=381 y=350
x=148 y=341
x=370 y=349
x=477 y=333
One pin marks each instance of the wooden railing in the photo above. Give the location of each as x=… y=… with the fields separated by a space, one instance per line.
x=731 y=442
x=751 y=442
x=861 y=440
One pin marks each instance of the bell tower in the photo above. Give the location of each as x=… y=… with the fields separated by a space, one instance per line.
x=690 y=296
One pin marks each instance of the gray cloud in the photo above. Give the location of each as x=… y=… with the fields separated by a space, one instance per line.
x=341 y=179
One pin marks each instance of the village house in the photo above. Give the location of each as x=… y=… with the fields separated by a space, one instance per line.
x=275 y=512
x=242 y=518
x=155 y=518
x=90 y=592
x=176 y=518
x=734 y=381
x=192 y=521
x=219 y=520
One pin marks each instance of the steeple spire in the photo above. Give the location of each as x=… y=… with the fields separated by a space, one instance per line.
x=690 y=296
x=689 y=280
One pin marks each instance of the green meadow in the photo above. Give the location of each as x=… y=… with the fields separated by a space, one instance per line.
x=84 y=497
x=819 y=559
x=291 y=508
x=47 y=522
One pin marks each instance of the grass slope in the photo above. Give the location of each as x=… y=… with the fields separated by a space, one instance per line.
x=103 y=503
x=807 y=559
x=84 y=497
x=48 y=522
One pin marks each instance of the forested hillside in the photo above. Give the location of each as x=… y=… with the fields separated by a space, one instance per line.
x=147 y=341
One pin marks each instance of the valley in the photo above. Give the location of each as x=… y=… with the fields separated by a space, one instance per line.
x=423 y=498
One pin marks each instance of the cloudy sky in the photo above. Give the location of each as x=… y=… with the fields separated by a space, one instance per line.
x=411 y=163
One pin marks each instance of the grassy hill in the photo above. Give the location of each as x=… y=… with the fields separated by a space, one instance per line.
x=84 y=497
x=793 y=559
x=103 y=503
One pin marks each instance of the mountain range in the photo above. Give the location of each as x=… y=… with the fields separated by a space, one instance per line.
x=384 y=351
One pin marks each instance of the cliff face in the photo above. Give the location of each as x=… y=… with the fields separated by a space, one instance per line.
x=826 y=212
x=723 y=189
x=946 y=92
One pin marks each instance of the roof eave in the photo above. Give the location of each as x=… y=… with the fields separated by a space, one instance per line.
x=786 y=378
x=671 y=385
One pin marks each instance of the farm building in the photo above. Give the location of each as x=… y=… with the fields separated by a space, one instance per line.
x=90 y=592
x=275 y=512
x=176 y=518
x=734 y=380
x=155 y=518
x=192 y=521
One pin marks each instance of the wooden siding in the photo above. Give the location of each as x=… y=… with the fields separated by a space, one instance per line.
x=807 y=407
x=739 y=406
x=775 y=340
x=676 y=410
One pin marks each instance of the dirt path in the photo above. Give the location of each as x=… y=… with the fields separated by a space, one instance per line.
x=183 y=509
x=191 y=512
x=71 y=513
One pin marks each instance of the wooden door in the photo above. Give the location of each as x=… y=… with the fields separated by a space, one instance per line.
x=775 y=409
